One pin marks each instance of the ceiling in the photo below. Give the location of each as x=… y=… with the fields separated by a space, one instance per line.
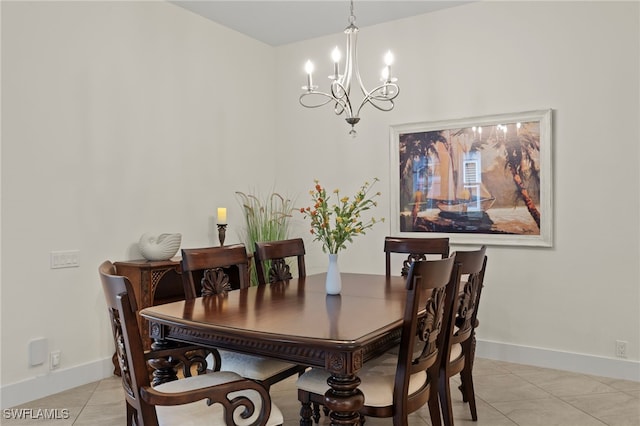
x=282 y=22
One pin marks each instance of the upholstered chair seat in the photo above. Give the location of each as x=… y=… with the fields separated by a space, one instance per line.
x=255 y=367
x=199 y=413
x=377 y=383
x=456 y=352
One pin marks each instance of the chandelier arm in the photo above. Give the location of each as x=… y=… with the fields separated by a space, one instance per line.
x=342 y=99
x=321 y=94
x=371 y=98
x=340 y=106
x=378 y=106
x=384 y=91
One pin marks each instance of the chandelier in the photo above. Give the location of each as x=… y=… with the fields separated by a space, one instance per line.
x=381 y=97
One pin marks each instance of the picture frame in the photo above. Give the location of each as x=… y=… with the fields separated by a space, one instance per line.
x=479 y=180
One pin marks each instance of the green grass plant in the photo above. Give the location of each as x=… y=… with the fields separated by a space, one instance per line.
x=266 y=219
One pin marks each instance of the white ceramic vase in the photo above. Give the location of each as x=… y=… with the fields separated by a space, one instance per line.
x=333 y=283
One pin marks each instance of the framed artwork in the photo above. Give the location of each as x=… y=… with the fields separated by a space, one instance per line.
x=482 y=180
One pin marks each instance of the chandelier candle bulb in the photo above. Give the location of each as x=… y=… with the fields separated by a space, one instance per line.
x=336 y=56
x=308 y=68
x=222 y=215
x=388 y=58
x=388 y=61
x=385 y=79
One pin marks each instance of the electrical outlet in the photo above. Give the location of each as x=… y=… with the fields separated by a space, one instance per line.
x=54 y=360
x=621 y=349
x=38 y=351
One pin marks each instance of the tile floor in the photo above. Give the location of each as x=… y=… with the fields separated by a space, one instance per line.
x=506 y=393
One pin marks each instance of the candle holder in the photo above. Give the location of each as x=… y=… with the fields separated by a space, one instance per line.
x=222 y=232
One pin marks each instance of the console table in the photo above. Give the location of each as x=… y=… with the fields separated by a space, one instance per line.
x=154 y=283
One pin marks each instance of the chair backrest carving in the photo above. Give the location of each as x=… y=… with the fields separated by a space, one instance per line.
x=472 y=265
x=415 y=249
x=210 y=267
x=424 y=336
x=273 y=255
x=215 y=281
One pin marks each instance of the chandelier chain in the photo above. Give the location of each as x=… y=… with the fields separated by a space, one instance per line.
x=352 y=17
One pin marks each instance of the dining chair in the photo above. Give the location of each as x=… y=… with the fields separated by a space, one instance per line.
x=415 y=249
x=273 y=255
x=210 y=263
x=214 y=270
x=395 y=385
x=206 y=398
x=460 y=351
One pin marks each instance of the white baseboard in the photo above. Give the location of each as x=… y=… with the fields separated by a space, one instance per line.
x=54 y=382
x=61 y=380
x=548 y=358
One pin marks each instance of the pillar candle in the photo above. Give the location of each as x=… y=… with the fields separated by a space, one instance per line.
x=222 y=215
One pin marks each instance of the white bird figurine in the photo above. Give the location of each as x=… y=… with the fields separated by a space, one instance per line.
x=161 y=247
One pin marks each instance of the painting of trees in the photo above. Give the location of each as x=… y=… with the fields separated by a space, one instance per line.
x=489 y=175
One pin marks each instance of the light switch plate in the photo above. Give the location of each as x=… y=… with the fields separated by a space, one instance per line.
x=65 y=259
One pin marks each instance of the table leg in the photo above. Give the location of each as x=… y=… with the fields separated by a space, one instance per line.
x=164 y=369
x=344 y=399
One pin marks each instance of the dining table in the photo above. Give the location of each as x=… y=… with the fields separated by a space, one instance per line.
x=294 y=321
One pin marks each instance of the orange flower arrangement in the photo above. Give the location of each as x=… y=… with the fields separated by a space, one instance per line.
x=335 y=224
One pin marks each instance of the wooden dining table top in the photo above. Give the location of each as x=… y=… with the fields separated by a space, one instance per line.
x=295 y=320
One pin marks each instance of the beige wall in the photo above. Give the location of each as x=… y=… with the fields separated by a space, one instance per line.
x=121 y=118
x=579 y=58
